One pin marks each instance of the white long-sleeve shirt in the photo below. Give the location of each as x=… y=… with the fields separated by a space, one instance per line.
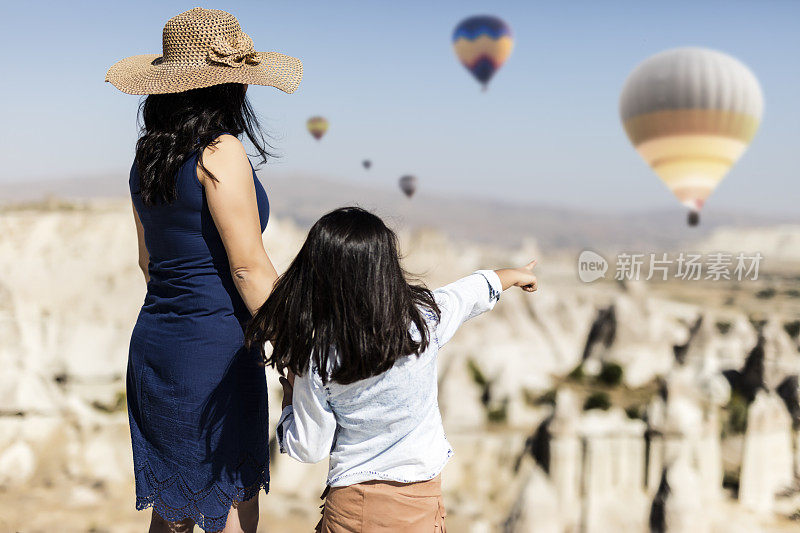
x=386 y=427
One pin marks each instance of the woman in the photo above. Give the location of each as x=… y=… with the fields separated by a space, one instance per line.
x=197 y=399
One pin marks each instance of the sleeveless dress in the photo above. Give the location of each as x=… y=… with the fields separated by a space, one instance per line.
x=197 y=400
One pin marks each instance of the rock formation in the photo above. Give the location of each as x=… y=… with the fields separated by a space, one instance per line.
x=63 y=424
x=678 y=505
x=767 y=462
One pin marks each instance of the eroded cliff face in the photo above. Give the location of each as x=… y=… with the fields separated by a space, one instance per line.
x=585 y=407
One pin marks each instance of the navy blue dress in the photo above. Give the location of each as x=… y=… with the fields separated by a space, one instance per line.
x=197 y=400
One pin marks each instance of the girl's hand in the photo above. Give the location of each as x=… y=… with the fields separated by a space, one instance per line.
x=522 y=277
x=288 y=388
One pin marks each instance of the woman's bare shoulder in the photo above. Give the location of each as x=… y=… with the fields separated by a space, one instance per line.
x=226 y=157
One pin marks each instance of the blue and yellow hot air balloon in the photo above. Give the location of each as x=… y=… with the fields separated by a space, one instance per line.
x=482 y=44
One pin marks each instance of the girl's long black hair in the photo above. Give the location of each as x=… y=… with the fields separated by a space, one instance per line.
x=174 y=125
x=344 y=293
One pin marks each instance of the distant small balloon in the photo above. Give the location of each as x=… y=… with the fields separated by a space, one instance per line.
x=317 y=126
x=483 y=44
x=408 y=184
x=367 y=163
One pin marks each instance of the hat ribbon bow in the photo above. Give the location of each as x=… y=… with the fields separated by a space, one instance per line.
x=235 y=53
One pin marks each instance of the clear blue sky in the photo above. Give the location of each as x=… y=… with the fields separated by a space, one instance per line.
x=385 y=75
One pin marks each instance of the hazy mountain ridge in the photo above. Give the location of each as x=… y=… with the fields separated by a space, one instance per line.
x=304 y=198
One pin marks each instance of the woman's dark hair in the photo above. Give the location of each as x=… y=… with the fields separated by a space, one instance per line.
x=174 y=125
x=344 y=293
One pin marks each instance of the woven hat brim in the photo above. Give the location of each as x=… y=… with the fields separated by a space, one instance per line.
x=142 y=74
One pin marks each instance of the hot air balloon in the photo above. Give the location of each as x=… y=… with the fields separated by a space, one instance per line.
x=408 y=184
x=367 y=163
x=690 y=113
x=317 y=126
x=482 y=44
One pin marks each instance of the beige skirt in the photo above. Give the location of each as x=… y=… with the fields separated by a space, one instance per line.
x=384 y=507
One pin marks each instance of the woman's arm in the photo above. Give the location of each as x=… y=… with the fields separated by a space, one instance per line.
x=233 y=206
x=144 y=255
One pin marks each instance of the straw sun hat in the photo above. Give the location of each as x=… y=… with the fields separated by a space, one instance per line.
x=204 y=47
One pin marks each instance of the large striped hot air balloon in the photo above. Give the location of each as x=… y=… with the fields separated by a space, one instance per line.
x=690 y=113
x=482 y=44
x=317 y=126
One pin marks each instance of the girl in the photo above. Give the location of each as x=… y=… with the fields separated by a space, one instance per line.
x=362 y=343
